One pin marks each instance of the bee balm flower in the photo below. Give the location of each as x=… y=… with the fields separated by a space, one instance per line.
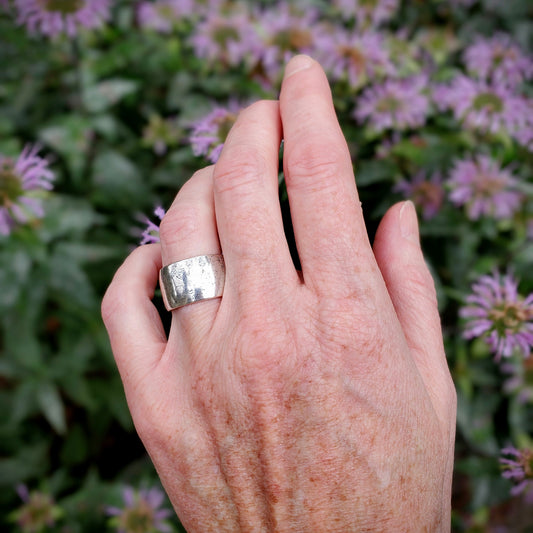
x=142 y=512
x=151 y=231
x=498 y=313
x=364 y=11
x=519 y=470
x=53 y=17
x=498 y=59
x=484 y=188
x=485 y=107
x=396 y=104
x=19 y=181
x=209 y=132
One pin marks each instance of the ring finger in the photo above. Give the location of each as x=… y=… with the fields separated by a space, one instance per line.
x=188 y=230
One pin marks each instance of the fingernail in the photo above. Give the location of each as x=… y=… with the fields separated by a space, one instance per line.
x=409 y=222
x=298 y=63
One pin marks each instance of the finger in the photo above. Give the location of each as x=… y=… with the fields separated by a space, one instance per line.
x=328 y=224
x=247 y=203
x=188 y=230
x=412 y=291
x=135 y=330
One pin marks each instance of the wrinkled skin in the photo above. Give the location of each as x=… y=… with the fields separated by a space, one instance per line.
x=298 y=400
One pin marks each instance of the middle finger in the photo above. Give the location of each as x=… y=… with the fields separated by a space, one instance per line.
x=326 y=213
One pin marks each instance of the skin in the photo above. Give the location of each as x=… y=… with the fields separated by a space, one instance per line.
x=298 y=399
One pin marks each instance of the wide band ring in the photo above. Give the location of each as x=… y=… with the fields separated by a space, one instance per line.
x=192 y=280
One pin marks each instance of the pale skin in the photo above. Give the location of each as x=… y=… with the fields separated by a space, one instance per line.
x=299 y=401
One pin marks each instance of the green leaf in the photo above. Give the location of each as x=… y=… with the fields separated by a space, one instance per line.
x=75 y=446
x=82 y=252
x=70 y=136
x=30 y=461
x=180 y=88
x=374 y=171
x=24 y=401
x=69 y=281
x=52 y=407
x=15 y=267
x=67 y=216
x=118 y=180
x=112 y=396
x=77 y=389
x=21 y=343
x=106 y=125
x=102 y=96
x=475 y=420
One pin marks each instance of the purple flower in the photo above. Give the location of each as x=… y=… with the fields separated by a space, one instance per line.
x=161 y=15
x=484 y=188
x=395 y=104
x=426 y=194
x=151 y=232
x=20 y=182
x=38 y=513
x=50 y=17
x=498 y=60
x=353 y=55
x=209 y=132
x=227 y=39
x=524 y=131
x=141 y=513
x=205 y=7
x=374 y=12
x=285 y=31
x=488 y=108
x=496 y=312
x=519 y=470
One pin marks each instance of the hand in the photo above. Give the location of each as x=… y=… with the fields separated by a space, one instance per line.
x=297 y=400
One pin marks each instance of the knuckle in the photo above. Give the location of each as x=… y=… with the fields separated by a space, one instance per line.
x=108 y=306
x=307 y=163
x=181 y=222
x=371 y=338
x=240 y=172
x=345 y=326
x=114 y=300
x=112 y=304
x=153 y=431
x=267 y=339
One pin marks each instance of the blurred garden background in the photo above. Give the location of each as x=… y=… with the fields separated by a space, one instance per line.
x=107 y=108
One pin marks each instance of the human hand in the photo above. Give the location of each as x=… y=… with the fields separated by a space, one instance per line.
x=296 y=400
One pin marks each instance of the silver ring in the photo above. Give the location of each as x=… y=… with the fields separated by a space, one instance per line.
x=192 y=280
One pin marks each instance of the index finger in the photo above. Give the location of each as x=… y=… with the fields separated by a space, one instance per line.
x=326 y=213
x=135 y=330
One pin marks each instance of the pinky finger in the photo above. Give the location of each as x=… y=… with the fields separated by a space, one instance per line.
x=135 y=330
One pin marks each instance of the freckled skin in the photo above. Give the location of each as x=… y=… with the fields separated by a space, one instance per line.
x=297 y=401
x=284 y=443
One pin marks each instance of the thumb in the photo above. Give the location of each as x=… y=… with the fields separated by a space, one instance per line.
x=412 y=291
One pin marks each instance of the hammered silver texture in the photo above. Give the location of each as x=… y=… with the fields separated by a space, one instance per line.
x=192 y=280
